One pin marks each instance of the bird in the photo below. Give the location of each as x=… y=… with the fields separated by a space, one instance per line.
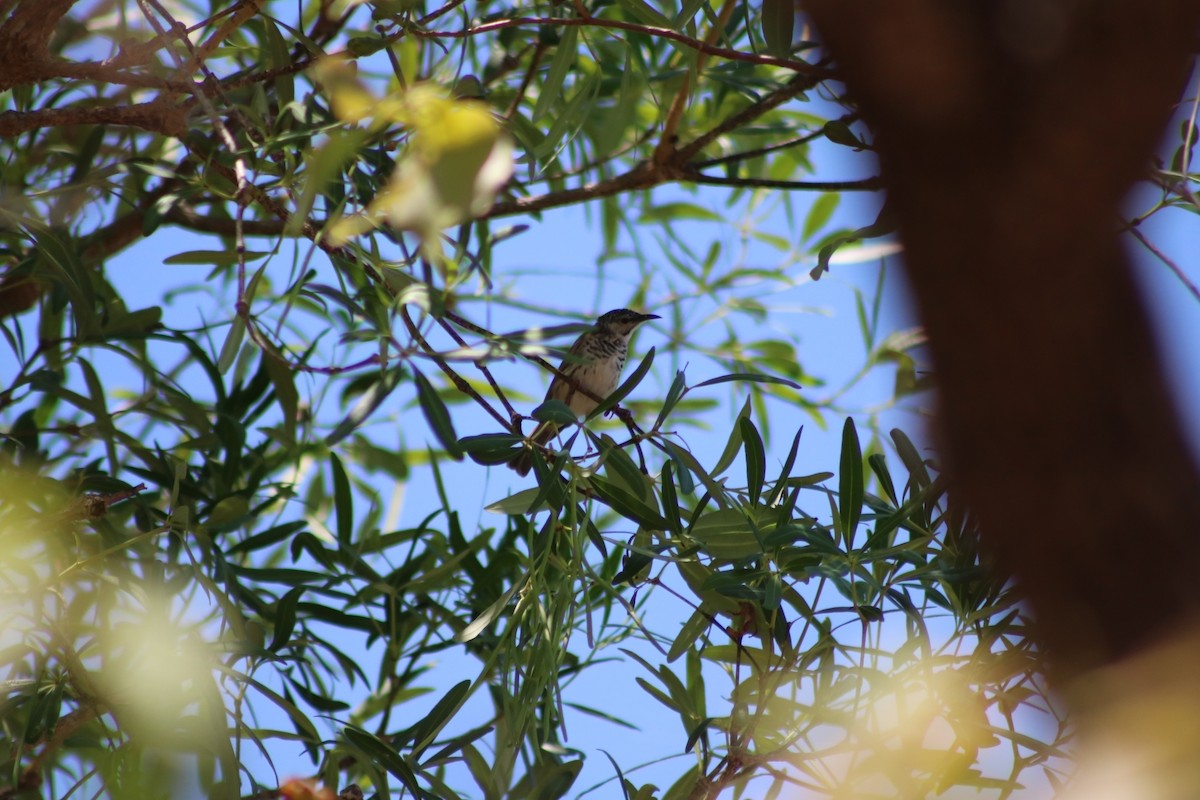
x=593 y=365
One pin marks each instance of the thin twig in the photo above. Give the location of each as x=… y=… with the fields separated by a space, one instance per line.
x=534 y=60
x=431 y=16
x=241 y=14
x=862 y=185
x=797 y=85
x=649 y=30
x=1171 y=265
x=759 y=151
x=459 y=382
x=482 y=367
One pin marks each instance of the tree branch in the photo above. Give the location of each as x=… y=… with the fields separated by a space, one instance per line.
x=802 y=67
x=863 y=185
x=24 y=38
x=155 y=116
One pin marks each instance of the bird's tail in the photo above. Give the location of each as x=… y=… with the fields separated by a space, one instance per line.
x=523 y=461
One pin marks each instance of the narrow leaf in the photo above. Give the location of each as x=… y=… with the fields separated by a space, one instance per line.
x=551 y=88
x=788 y=463
x=343 y=500
x=477 y=625
x=748 y=377
x=233 y=343
x=696 y=625
x=673 y=395
x=438 y=416
x=879 y=467
x=285 y=618
x=365 y=406
x=670 y=499
x=756 y=458
x=383 y=754
x=627 y=504
x=441 y=712
x=912 y=458
x=850 y=481
x=222 y=258
x=734 y=443
x=778 y=26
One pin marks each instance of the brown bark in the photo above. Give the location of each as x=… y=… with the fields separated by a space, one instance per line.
x=24 y=37
x=1008 y=134
x=157 y=117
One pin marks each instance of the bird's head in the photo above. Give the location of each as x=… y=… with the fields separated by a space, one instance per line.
x=622 y=321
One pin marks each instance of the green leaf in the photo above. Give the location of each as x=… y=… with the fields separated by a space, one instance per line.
x=620 y=469
x=86 y=154
x=343 y=500
x=441 y=712
x=322 y=166
x=480 y=623
x=883 y=225
x=519 y=503
x=550 y=486
x=734 y=443
x=674 y=212
x=384 y=755
x=670 y=499
x=756 y=458
x=437 y=415
x=789 y=462
x=728 y=534
x=879 y=466
x=552 y=85
x=269 y=537
x=285 y=618
x=132 y=324
x=283 y=379
x=491 y=448
x=685 y=787
x=221 y=258
x=912 y=459
x=690 y=466
x=673 y=394
x=627 y=504
x=572 y=116
x=772 y=592
x=838 y=131
x=303 y=724
x=555 y=411
x=850 y=481
x=696 y=576
x=359 y=46
x=778 y=26
x=822 y=209
x=657 y=694
x=748 y=377
x=692 y=630
x=233 y=344
x=644 y=13
x=622 y=118
x=366 y=405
